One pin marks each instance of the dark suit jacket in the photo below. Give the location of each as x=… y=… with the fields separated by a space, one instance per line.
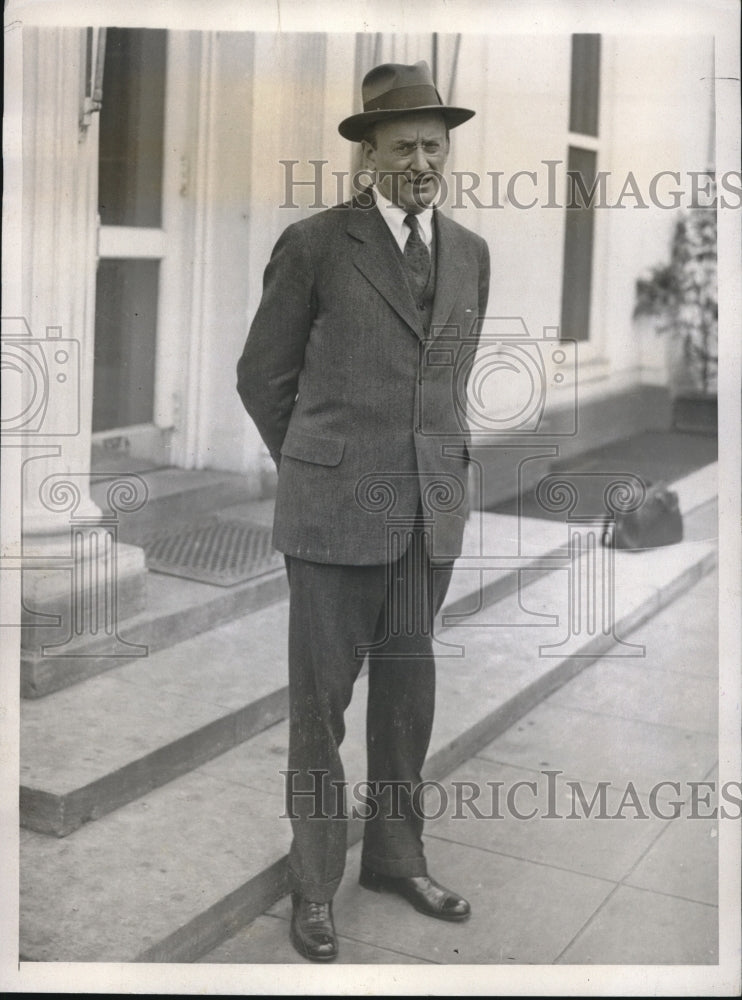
x=360 y=408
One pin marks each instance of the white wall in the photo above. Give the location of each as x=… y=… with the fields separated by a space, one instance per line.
x=655 y=114
x=280 y=97
x=254 y=100
x=519 y=89
x=274 y=98
x=660 y=116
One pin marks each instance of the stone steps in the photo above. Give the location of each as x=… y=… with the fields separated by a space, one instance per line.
x=173 y=711
x=197 y=698
x=173 y=872
x=174 y=497
x=173 y=610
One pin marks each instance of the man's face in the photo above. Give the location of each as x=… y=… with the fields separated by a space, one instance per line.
x=410 y=152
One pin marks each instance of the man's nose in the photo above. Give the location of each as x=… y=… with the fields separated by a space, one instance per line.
x=419 y=159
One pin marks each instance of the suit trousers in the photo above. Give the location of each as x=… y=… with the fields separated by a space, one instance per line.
x=339 y=615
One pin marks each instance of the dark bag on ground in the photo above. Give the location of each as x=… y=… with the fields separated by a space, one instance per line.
x=657 y=522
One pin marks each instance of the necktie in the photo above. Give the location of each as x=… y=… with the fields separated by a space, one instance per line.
x=416 y=253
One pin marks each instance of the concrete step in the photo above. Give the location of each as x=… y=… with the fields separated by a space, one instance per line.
x=185 y=704
x=169 y=721
x=176 y=610
x=170 y=875
x=54 y=657
x=174 y=497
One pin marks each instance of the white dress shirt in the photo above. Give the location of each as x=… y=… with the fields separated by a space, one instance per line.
x=394 y=217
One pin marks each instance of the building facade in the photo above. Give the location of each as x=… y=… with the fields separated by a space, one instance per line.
x=159 y=167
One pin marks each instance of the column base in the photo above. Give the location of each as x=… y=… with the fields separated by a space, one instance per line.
x=68 y=597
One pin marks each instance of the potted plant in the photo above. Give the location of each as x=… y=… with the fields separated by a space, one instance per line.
x=680 y=297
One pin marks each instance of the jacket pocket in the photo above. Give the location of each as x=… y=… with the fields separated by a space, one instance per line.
x=312 y=447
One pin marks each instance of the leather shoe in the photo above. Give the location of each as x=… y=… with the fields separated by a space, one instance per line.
x=313 y=929
x=425 y=894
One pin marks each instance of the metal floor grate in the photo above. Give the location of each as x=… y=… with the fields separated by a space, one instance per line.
x=221 y=552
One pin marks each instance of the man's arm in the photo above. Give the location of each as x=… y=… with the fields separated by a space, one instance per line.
x=268 y=370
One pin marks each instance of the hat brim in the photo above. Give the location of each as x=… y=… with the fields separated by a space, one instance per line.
x=354 y=128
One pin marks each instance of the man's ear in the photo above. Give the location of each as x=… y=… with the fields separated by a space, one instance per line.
x=368 y=154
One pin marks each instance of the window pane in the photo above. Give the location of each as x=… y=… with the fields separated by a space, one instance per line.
x=125 y=340
x=584 y=99
x=131 y=128
x=578 y=248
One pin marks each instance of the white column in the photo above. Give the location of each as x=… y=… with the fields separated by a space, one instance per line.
x=55 y=327
x=48 y=350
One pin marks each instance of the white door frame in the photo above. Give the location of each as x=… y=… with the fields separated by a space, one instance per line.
x=156 y=441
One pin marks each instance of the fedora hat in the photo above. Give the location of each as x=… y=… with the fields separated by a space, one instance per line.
x=392 y=90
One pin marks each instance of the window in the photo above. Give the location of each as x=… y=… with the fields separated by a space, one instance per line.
x=130 y=165
x=125 y=337
x=584 y=92
x=131 y=128
x=582 y=160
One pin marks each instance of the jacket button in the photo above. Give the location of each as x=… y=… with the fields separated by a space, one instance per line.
x=421 y=307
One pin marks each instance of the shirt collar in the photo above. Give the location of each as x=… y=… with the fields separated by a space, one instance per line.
x=394 y=217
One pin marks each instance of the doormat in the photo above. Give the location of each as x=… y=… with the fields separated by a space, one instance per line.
x=224 y=553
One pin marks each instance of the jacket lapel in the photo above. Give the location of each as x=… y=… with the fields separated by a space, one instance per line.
x=375 y=256
x=450 y=269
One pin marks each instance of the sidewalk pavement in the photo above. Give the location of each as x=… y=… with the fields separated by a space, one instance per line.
x=630 y=888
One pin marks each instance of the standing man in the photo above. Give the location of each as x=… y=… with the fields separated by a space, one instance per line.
x=351 y=374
